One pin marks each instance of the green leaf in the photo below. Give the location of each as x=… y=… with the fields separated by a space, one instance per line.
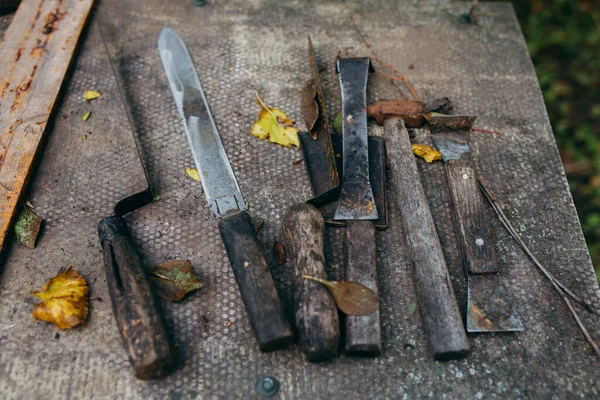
x=337 y=122
x=174 y=279
x=412 y=307
x=27 y=227
x=86 y=116
x=350 y=297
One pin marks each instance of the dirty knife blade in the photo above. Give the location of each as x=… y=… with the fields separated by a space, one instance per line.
x=216 y=176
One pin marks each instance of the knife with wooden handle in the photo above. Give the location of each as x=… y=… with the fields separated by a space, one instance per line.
x=267 y=317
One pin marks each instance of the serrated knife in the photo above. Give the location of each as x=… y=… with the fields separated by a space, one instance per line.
x=225 y=200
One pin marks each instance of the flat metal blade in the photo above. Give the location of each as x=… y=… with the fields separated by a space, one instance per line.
x=489 y=307
x=451 y=147
x=450 y=135
x=356 y=197
x=217 y=177
x=146 y=196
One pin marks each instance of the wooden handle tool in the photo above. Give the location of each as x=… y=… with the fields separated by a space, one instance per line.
x=267 y=317
x=439 y=310
x=134 y=305
x=316 y=314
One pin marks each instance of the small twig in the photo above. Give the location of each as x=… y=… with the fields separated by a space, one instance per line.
x=161 y=276
x=513 y=232
x=326 y=36
x=400 y=89
x=560 y=288
x=485 y=131
x=376 y=58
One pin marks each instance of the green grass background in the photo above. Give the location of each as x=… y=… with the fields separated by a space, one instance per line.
x=563 y=37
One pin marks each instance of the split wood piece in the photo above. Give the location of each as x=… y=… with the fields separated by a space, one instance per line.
x=316 y=314
x=363 y=333
x=34 y=58
x=439 y=310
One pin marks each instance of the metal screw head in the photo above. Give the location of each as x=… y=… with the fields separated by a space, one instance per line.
x=267 y=386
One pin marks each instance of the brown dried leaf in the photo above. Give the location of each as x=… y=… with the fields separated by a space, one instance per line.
x=350 y=297
x=310 y=108
x=279 y=252
x=27 y=227
x=65 y=300
x=174 y=279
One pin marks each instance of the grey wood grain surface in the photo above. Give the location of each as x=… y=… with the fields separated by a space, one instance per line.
x=472 y=231
x=362 y=333
x=443 y=323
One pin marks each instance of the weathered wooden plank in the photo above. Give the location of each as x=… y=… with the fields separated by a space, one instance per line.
x=363 y=333
x=35 y=54
x=472 y=230
x=439 y=310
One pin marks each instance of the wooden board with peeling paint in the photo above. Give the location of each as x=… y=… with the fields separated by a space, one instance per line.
x=35 y=54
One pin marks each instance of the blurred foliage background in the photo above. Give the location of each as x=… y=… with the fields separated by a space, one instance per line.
x=563 y=37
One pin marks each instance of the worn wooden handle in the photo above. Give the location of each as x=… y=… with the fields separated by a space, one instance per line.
x=363 y=333
x=267 y=317
x=316 y=314
x=472 y=230
x=437 y=304
x=134 y=305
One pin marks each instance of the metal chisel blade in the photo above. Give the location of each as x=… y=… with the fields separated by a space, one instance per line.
x=356 y=197
x=489 y=306
x=217 y=177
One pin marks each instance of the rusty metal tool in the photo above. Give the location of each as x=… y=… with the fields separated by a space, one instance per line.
x=267 y=317
x=134 y=304
x=323 y=160
x=489 y=306
x=356 y=204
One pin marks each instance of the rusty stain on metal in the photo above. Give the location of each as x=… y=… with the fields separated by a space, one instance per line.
x=321 y=126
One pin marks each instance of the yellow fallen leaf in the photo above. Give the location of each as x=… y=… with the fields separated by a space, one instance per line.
x=85 y=116
x=192 y=173
x=426 y=152
x=274 y=124
x=91 y=94
x=65 y=300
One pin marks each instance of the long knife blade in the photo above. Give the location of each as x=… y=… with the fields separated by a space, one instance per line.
x=217 y=177
x=244 y=250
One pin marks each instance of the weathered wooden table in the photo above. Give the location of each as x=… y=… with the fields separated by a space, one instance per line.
x=242 y=46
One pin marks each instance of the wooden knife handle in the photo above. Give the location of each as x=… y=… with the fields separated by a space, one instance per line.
x=363 y=333
x=316 y=314
x=134 y=305
x=267 y=317
x=474 y=235
x=437 y=304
